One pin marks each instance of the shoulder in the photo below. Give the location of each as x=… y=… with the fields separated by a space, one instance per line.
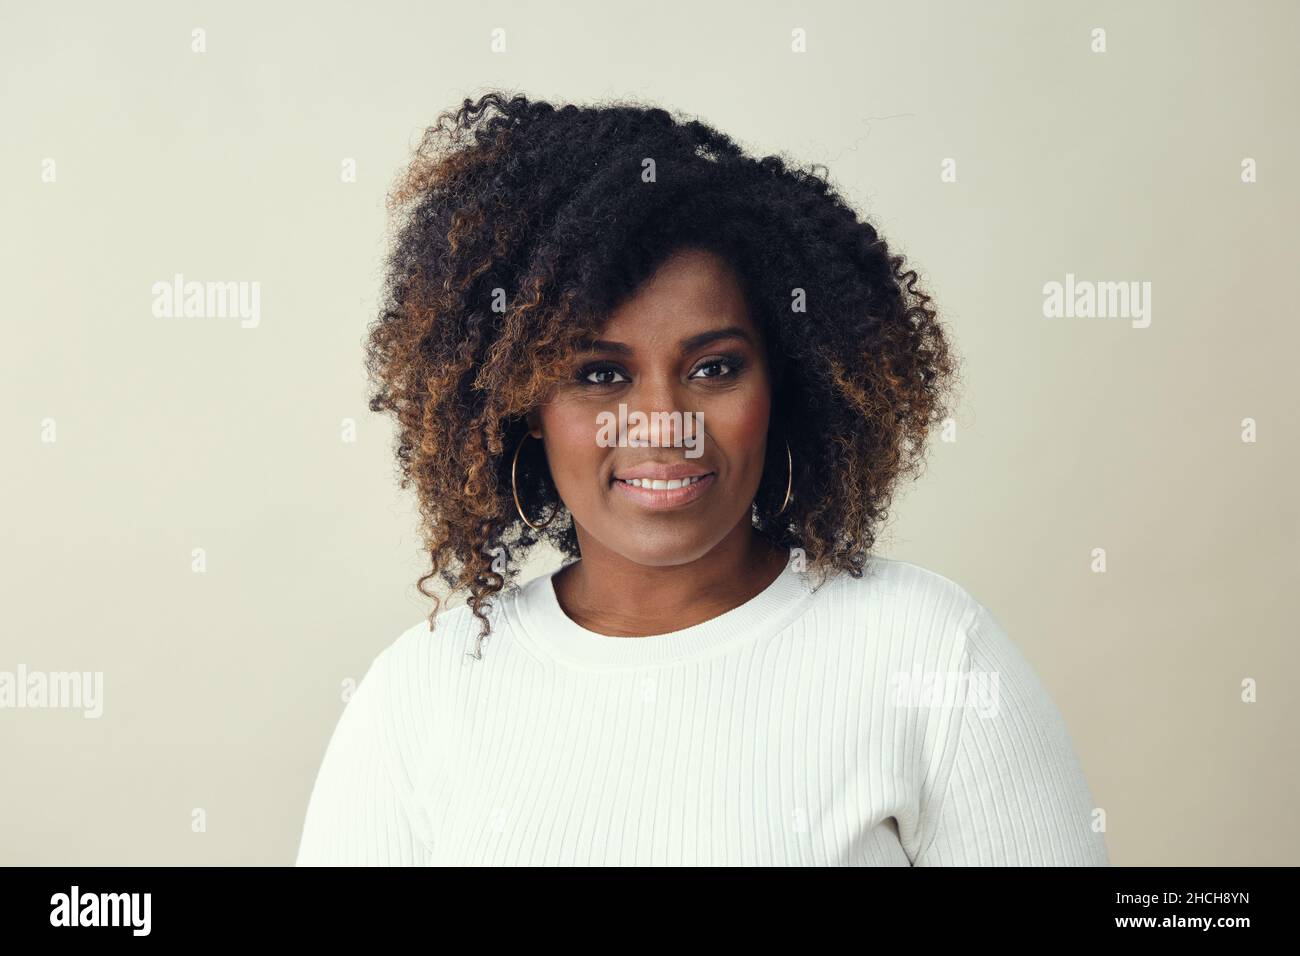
x=399 y=706
x=924 y=602
x=911 y=618
x=420 y=649
x=408 y=679
x=918 y=606
x=901 y=581
x=424 y=658
x=905 y=603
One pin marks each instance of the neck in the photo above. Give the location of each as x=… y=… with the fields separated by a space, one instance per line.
x=607 y=593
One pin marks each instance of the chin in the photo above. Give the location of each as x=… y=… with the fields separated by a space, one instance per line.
x=664 y=548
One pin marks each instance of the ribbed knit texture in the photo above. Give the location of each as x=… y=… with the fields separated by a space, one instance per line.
x=777 y=733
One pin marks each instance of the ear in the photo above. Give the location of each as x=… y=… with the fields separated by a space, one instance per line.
x=534 y=420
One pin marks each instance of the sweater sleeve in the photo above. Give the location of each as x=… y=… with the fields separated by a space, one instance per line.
x=362 y=810
x=1014 y=792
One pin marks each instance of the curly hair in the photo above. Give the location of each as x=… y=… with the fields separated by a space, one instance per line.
x=519 y=226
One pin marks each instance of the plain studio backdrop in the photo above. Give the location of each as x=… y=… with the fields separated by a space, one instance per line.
x=202 y=511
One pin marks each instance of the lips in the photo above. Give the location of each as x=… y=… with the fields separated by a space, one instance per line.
x=652 y=473
x=663 y=484
x=663 y=494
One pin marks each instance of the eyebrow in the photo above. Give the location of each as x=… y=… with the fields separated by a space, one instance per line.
x=687 y=344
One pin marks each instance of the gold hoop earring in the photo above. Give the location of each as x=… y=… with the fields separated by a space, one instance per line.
x=789 y=481
x=515 y=490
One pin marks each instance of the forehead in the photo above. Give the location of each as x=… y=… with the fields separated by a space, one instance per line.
x=692 y=291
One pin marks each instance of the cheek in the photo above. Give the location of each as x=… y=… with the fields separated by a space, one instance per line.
x=748 y=425
x=572 y=451
x=739 y=429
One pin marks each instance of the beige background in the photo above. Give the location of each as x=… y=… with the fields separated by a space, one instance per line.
x=221 y=688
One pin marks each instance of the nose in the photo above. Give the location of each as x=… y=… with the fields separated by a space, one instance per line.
x=664 y=417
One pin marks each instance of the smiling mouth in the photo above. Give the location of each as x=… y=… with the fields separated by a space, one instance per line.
x=663 y=494
x=659 y=484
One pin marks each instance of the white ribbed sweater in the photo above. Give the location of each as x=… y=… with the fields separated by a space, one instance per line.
x=794 y=729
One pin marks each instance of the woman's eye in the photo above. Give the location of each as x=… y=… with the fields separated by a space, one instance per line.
x=586 y=375
x=730 y=366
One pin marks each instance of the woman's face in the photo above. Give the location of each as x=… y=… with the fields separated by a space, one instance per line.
x=684 y=344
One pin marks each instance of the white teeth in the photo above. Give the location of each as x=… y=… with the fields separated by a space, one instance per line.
x=658 y=484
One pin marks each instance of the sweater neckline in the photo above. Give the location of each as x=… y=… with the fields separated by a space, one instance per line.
x=765 y=613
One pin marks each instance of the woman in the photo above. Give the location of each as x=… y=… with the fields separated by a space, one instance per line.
x=700 y=376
